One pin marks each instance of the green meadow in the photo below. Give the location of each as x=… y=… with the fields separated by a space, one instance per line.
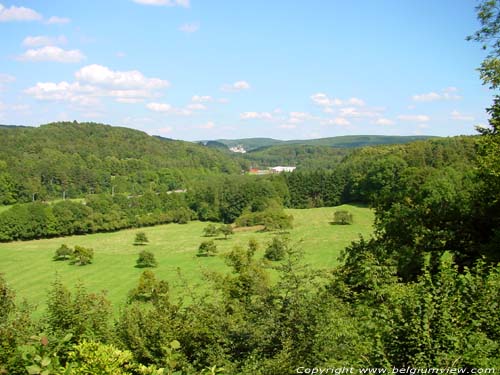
x=29 y=269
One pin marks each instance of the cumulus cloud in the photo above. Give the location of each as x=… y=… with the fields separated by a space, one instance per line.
x=414 y=118
x=54 y=20
x=94 y=81
x=42 y=40
x=455 y=115
x=256 y=116
x=208 y=125
x=52 y=53
x=448 y=93
x=189 y=27
x=340 y=121
x=202 y=99
x=236 y=86
x=14 y=13
x=170 y=3
x=132 y=79
x=196 y=107
x=384 y=122
x=64 y=91
x=327 y=102
x=167 y=109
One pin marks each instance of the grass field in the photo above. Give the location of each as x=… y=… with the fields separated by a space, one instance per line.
x=30 y=270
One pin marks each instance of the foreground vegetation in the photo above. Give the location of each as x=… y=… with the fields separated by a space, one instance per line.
x=175 y=248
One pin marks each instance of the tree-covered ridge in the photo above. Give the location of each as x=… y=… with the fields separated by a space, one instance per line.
x=72 y=159
x=348 y=141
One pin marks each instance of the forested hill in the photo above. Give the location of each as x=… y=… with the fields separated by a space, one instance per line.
x=341 y=141
x=87 y=157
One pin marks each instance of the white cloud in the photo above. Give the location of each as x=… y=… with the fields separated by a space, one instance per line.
x=360 y=112
x=324 y=101
x=63 y=91
x=384 y=122
x=165 y=130
x=170 y=3
x=236 y=86
x=5 y=79
x=202 y=99
x=190 y=28
x=288 y=126
x=120 y=54
x=52 y=53
x=103 y=76
x=455 y=115
x=445 y=94
x=298 y=117
x=356 y=101
x=337 y=121
x=42 y=40
x=196 y=107
x=167 y=109
x=95 y=81
x=54 y=20
x=18 y=14
x=256 y=116
x=414 y=118
x=159 y=107
x=208 y=125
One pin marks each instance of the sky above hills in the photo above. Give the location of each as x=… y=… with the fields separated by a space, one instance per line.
x=287 y=69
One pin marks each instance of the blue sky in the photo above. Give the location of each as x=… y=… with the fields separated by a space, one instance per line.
x=207 y=69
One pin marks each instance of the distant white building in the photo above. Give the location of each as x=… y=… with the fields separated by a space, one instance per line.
x=280 y=169
x=238 y=148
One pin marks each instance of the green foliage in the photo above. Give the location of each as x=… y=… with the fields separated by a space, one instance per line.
x=82 y=256
x=40 y=356
x=140 y=238
x=342 y=217
x=210 y=230
x=273 y=219
x=277 y=248
x=63 y=253
x=207 y=248
x=146 y=259
x=226 y=230
x=149 y=289
x=89 y=357
x=81 y=314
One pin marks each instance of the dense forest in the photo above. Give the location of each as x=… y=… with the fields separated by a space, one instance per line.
x=422 y=293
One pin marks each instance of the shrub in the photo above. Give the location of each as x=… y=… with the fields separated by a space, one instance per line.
x=207 y=248
x=63 y=253
x=140 y=238
x=82 y=256
x=342 y=218
x=146 y=259
x=226 y=230
x=210 y=230
x=276 y=250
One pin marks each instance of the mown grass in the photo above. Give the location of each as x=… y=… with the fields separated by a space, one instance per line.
x=30 y=270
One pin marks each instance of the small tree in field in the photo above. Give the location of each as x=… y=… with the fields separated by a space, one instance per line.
x=82 y=256
x=276 y=250
x=342 y=218
x=210 y=230
x=207 y=248
x=63 y=253
x=226 y=230
x=146 y=259
x=140 y=238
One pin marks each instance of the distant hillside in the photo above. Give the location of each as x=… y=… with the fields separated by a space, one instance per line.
x=348 y=141
x=78 y=158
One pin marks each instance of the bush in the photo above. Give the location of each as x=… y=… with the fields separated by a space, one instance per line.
x=146 y=259
x=207 y=248
x=210 y=230
x=63 y=253
x=140 y=238
x=276 y=250
x=342 y=218
x=82 y=256
x=226 y=230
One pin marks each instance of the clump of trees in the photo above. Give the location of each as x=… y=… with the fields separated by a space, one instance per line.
x=80 y=255
x=146 y=259
x=140 y=238
x=342 y=217
x=277 y=248
x=207 y=248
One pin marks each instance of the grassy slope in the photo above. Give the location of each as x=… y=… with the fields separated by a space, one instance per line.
x=29 y=269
